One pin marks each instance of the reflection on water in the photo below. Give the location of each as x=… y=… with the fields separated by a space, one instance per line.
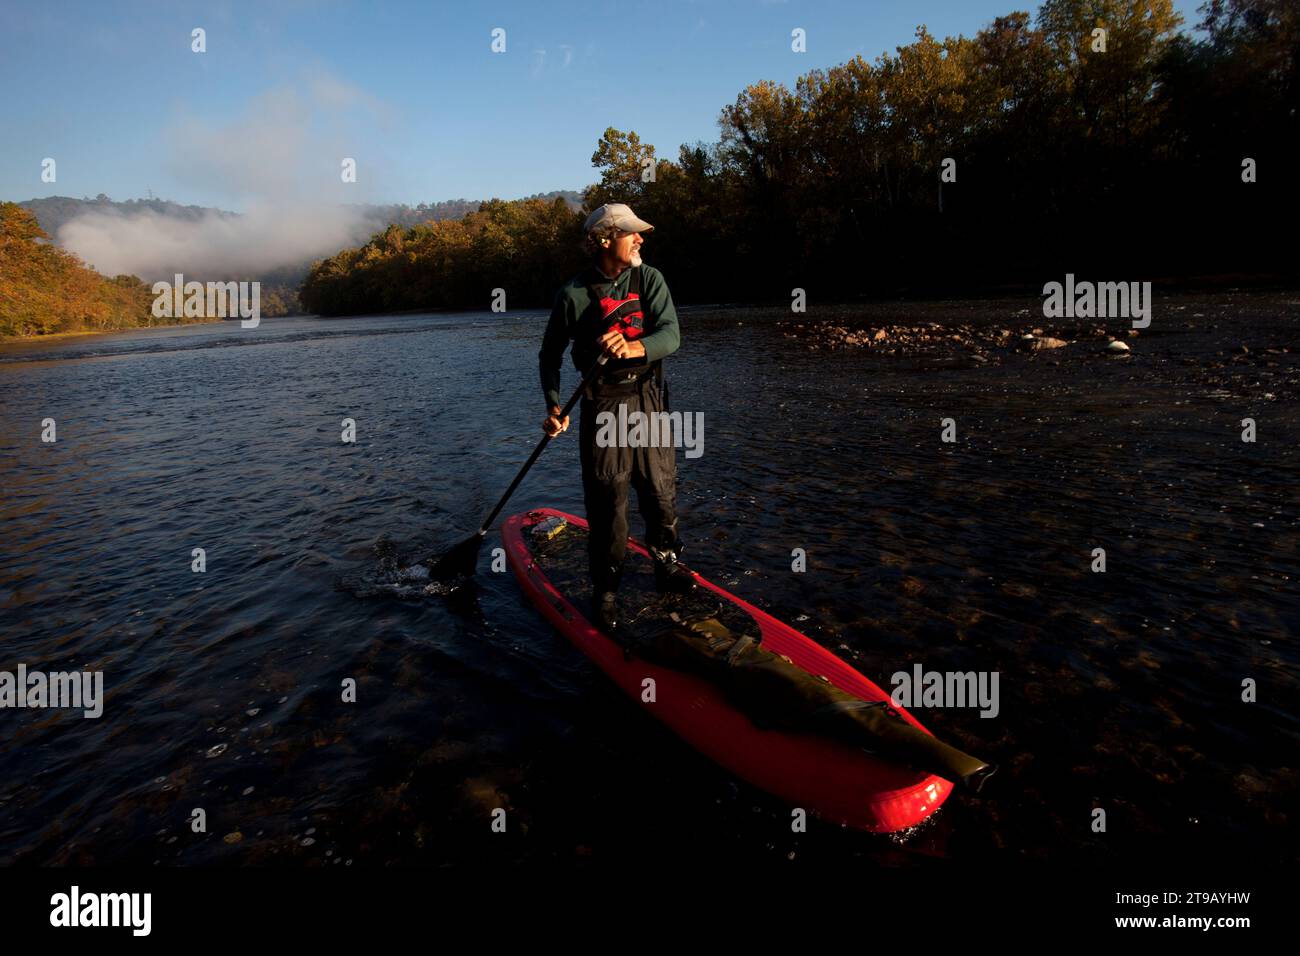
x=224 y=689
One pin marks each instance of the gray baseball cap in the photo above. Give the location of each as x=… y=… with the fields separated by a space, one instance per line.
x=615 y=217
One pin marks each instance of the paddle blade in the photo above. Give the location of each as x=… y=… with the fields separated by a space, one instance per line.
x=460 y=561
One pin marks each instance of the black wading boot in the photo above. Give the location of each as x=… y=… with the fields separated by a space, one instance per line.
x=604 y=600
x=670 y=576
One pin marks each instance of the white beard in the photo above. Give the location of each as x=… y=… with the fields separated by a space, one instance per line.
x=636 y=259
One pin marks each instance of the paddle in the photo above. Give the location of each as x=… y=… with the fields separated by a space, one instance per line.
x=462 y=559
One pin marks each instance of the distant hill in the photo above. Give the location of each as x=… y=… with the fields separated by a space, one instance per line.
x=407 y=216
x=53 y=212
x=184 y=243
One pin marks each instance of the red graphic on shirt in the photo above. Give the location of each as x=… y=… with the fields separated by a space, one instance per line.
x=623 y=315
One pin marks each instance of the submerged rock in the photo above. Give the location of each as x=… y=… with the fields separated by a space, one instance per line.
x=1047 y=342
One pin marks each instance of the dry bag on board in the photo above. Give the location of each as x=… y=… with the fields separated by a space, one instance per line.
x=776 y=694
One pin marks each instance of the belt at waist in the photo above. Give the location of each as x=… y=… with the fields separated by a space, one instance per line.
x=619 y=384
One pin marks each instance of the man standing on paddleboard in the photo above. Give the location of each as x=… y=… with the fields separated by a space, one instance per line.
x=621 y=307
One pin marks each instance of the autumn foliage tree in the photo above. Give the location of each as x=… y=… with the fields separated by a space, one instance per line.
x=44 y=289
x=519 y=246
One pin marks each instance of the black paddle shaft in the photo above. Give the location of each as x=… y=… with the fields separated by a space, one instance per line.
x=546 y=439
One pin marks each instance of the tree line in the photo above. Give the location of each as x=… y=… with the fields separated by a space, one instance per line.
x=1092 y=138
x=45 y=289
x=520 y=246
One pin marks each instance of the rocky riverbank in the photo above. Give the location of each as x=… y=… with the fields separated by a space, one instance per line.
x=932 y=337
x=1238 y=343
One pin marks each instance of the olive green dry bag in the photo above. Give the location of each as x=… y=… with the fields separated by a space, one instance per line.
x=776 y=694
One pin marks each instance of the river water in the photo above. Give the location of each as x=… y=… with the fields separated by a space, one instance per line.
x=1119 y=690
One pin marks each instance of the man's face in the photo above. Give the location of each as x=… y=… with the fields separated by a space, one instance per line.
x=625 y=248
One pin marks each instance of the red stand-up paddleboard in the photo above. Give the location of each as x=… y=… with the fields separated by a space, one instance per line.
x=832 y=780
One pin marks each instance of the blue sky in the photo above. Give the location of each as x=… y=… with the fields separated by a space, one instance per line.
x=412 y=91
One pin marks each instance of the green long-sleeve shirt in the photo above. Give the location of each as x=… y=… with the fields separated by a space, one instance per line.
x=663 y=334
